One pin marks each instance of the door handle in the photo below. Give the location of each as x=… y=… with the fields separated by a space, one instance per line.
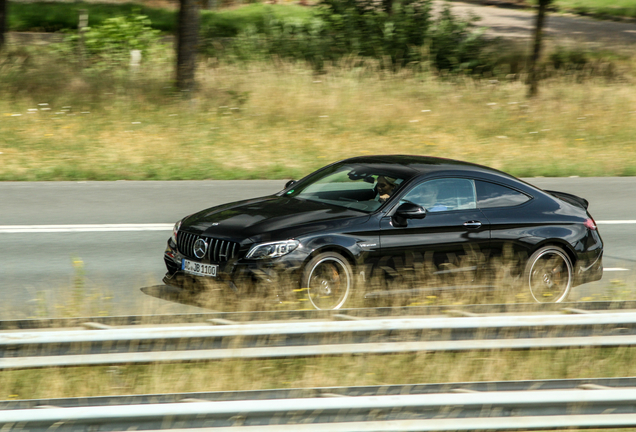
x=472 y=224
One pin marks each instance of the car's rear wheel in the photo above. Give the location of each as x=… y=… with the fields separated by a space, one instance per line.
x=328 y=280
x=549 y=274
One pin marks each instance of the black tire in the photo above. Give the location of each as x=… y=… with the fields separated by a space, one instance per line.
x=549 y=274
x=328 y=280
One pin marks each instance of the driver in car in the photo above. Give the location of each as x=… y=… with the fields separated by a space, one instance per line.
x=428 y=197
x=385 y=187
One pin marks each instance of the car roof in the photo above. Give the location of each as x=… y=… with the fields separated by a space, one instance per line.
x=411 y=167
x=423 y=165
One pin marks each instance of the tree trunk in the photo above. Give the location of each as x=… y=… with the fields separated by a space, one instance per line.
x=387 y=5
x=533 y=78
x=3 y=21
x=187 y=44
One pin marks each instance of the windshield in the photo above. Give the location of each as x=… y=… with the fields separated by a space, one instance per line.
x=353 y=186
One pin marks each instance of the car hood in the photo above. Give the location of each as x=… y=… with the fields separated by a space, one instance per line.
x=268 y=219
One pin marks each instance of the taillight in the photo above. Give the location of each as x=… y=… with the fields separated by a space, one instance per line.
x=590 y=224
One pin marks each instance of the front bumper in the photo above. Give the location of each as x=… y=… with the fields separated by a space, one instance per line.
x=236 y=273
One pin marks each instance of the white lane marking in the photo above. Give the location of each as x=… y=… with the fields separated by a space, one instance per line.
x=616 y=222
x=22 y=229
x=611 y=269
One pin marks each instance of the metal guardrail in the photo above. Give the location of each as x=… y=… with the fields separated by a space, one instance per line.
x=520 y=405
x=142 y=344
x=286 y=315
x=316 y=392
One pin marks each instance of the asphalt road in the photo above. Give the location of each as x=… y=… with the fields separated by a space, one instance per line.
x=519 y=23
x=116 y=265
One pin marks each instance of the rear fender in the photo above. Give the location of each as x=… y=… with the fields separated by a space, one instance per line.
x=560 y=243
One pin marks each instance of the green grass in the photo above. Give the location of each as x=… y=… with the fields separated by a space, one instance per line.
x=230 y=22
x=52 y=17
x=597 y=8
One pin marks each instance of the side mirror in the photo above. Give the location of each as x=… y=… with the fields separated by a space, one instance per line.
x=406 y=211
x=289 y=183
x=410 y=210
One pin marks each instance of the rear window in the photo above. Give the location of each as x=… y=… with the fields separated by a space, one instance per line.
x=491 y=195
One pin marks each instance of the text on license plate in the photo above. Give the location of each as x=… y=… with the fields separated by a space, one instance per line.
x=199 y=269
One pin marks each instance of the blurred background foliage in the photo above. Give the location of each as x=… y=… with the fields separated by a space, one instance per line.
x=330 y=30
x=233 y=16
x=339 y=28
x=109 y=44
x=283 y=89
x=408 y=36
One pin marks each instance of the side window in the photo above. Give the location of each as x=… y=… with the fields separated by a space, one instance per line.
x=491 y=195
x=443 y=194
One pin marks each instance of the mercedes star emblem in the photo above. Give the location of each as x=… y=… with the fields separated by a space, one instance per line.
x=200 y=248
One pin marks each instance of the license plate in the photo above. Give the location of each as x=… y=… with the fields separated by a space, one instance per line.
x=199 y=269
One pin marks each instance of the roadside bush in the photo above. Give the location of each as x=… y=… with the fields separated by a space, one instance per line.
x=581 y=64
x=108 y=45
x=562 y=58
x=456 y=45
x=364 y=28
x=232 y=22
x=408 y=35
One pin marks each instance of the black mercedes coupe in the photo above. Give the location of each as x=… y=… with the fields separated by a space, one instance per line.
x=422 y=220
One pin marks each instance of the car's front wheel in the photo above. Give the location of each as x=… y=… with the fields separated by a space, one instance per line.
x=328 y=279
x=549 y=274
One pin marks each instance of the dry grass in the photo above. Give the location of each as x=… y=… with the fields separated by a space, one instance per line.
x=347 y=370
x=496 y=282
x=281 y=120
x=237 y=374
x=320 y=371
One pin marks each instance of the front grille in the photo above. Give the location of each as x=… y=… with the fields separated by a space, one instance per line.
x=218 y=250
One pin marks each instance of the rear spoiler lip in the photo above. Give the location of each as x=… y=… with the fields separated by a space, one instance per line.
x=571 y=199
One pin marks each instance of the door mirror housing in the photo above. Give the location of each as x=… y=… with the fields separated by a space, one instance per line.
x=409 y=210
x=289 y=183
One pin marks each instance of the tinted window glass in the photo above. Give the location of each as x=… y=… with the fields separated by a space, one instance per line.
x=352 y=186
x=495 y=195
x=443 y=194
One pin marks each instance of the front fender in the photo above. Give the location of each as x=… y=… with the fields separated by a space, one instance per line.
x=355 y=248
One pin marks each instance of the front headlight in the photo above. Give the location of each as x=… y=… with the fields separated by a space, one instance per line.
x=175 y=230
x=272 y=250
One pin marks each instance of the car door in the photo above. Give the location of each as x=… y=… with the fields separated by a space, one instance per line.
x=445 y=246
